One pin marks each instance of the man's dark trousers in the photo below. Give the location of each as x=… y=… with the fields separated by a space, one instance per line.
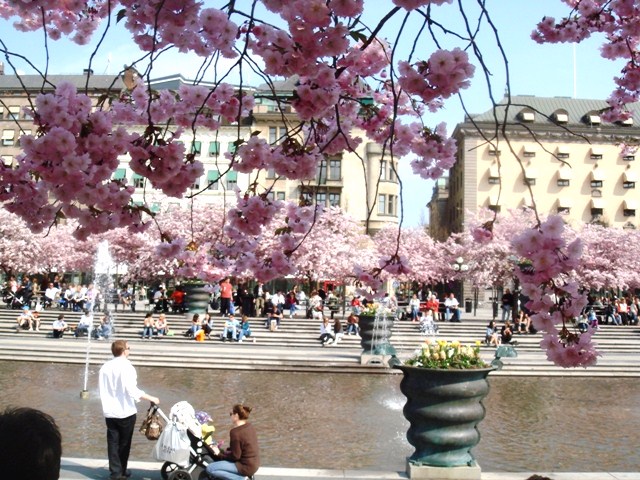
x=119 y=435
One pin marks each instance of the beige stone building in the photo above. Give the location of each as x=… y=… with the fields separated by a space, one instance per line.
x=556 y=152
x=358 y=183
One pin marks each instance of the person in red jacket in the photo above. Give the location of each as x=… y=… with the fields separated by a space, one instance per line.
x=226 y=295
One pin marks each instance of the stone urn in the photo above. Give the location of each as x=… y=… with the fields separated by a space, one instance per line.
x=197 y=297
x=444 y=408
x=375 y=332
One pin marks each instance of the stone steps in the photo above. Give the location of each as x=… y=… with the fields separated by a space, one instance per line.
x=294 y=347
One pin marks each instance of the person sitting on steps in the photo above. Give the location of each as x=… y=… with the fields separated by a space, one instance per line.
x=326 y=333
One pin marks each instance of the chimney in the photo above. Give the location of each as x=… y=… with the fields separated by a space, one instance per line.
x=1 y=68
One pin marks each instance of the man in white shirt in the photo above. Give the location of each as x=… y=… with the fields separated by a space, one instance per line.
x=119 y=393
x=59 y=326
x=50 y=295
x=85 y=324
x=452 y=308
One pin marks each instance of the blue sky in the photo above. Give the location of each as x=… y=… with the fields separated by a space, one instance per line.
x=542 y=70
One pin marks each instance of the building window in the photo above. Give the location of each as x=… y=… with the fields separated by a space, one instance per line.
x=627 y=212
x=321 y=173
x=271 y=196
x=388 y=205
x=493 y=152
x=596 y=183
x=529 y=181
x=214 y=149
x=529 y=151
x=628 y=184
x=527 y=116
x=321 y=198
x=14 y=113
x=280 y=196
x=196 y=184
x=271 y=173
x=592 y=118
x=383 y=170
x=1 y=113
x=392 y=206
x=563 y=182
x=7 y=160
x=138 y=181
x=232 y=179
x=307 y=198
x=494 y=208
x=8 y=137
x=120 y=174
x=564 y=210
x=596 y=153
x=273 y=135
x=494 y=180
x=335 y=169
x=212 y=179
x=563 y=152
x=196 y=147
x=232 y=147
x=629 y=158
x=334 y=199
x=597 y=211
x=382 y=204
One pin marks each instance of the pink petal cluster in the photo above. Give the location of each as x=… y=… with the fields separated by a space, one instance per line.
x=436 y=153
x=547 y=263
x=444 y=74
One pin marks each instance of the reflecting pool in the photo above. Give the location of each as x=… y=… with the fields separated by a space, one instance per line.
x=355 y=421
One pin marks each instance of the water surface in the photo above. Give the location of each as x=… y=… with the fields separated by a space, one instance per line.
x=355 y=421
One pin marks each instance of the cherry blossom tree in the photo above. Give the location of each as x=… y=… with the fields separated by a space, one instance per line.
x=340 y=62
x=18 y=250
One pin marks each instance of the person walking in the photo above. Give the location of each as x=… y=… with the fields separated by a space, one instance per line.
x=119 y=393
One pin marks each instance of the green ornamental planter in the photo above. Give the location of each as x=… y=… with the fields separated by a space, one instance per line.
x=444 y=408
x=197 y=297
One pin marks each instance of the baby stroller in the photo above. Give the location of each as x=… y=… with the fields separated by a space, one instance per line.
x=200 y=451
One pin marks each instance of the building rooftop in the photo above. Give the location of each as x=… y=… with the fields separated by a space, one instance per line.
x=529 y=109
x=35 y=82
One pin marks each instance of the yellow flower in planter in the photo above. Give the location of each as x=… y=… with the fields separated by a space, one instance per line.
x=447 y=355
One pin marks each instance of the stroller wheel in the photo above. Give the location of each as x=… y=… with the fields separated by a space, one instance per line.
x=167 y=469
x=180 y=474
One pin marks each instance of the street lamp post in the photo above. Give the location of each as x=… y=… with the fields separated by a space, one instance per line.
x=460 y=266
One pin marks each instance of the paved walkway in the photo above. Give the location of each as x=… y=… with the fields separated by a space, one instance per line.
x=85 y=468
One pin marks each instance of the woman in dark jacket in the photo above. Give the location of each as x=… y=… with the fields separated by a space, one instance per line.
x=242 y=458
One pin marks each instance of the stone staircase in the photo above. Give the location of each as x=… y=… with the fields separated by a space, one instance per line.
x=295 y=347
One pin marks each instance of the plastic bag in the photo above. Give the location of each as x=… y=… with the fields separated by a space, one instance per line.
x=173 y=445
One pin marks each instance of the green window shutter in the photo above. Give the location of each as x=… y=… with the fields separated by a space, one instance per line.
x=213 y=176
x=214 y=148
x=231 y=147
x=120 y=174
x=196 y=147
x=155 y=207
x=232 y=176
